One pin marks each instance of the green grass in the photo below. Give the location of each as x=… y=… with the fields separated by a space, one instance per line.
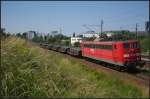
x=32 y=71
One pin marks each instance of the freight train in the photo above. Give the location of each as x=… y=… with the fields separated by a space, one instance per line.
x=122 y=54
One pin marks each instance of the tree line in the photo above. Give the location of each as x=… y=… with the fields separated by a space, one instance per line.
x=55 y=39
x=64 y=40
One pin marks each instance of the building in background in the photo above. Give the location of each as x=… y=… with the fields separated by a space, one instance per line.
x=75 y=40
x=108 y=33
x=90 y=34
x=54 y=33
x=30 y=34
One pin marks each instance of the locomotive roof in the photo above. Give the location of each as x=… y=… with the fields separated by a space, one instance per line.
x=108 y=42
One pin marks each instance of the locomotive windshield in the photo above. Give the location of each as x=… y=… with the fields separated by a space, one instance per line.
x=131 y=45
x=135 y=45
x=126 y=45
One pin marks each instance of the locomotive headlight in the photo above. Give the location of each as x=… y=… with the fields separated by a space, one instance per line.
x=126 y=55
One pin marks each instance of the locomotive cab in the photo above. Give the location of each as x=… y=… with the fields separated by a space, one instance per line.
x=131 y=54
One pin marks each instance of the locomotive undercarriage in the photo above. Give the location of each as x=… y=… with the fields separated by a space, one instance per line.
x=132 y=65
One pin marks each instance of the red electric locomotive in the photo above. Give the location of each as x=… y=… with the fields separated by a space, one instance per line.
x=124 y=54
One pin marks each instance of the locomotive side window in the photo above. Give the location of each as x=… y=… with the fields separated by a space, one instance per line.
x=93 y=46
x=131 y=45
x=137 y=45
x=98 y=46
x=104 y=46
x=108 y=47
x=134 y=45
x=89 y=46
x=126 y=45
x=85 y=45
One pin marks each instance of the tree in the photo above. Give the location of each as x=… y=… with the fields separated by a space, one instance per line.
x=74 y=34
x=18 y=35
x=3 y=34
x=77 y=44
x=24 y=35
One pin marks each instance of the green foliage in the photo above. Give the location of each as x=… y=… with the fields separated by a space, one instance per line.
x=144 y=43
x=66 y=42
x=57 y=39
x=118 y=36
x=32 y=71
x=18 y=35
x=125 y=35
x=38 y=39
x=3 y=34
x=77 y=44
x=23 y=35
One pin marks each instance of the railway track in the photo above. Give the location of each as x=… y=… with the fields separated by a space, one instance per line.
x=145 y=59
x=139 y=77
x=145 y=56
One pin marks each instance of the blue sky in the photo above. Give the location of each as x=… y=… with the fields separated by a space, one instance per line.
x=46 y=16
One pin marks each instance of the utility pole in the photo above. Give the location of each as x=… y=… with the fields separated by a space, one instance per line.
x=101 y=27
x=136 y=28
x=147 y=26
